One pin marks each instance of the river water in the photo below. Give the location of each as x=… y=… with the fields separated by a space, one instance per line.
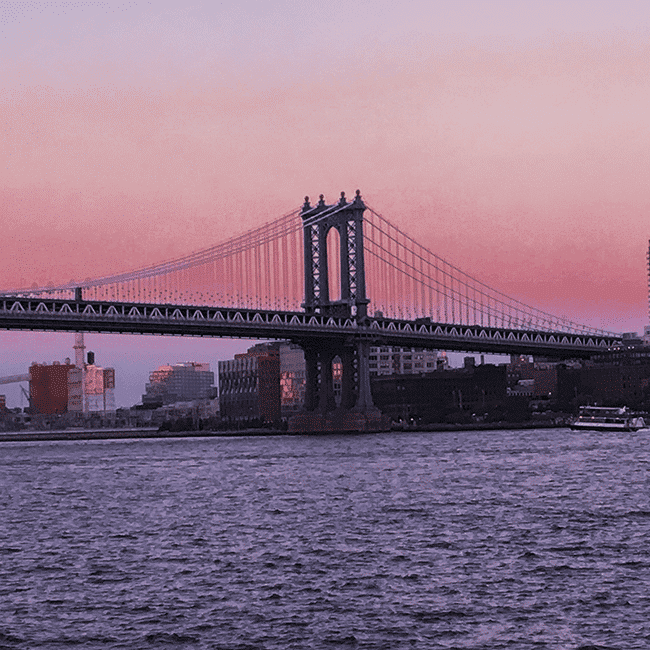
x=504 y=539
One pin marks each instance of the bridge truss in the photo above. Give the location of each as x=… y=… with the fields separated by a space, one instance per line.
x=43 y=313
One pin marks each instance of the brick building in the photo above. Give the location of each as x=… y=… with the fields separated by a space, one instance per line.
x=249 y=386
x=48 y=387
x=431 y=396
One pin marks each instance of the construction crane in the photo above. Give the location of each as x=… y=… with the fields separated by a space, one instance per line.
x=24 y=393
x=14 y=379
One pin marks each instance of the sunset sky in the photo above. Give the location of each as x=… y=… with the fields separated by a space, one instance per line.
x=510 y=137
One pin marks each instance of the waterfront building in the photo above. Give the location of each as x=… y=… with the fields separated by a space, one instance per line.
x=178 y=383
x=619 y=376
x=249 y=386
x=432 y=396
x=293 y=378
x=387 y=360
x=523 y=388
x=521 y=367
x=91 y=389
x=99 y=389
x=75 y=389
x=536 y=379
x=268 y=381
x=545 y=380
x=48 y=387
x=200 y=408
x=605 y=384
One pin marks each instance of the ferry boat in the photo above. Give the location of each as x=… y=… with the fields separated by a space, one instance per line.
x=605 y=418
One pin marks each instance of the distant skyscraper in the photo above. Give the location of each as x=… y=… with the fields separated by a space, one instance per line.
x=648 y=258
x=180 y=382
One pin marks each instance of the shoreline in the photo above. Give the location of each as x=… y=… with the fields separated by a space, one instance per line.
x=153 y=432
x=126 y=434
x=482 y=426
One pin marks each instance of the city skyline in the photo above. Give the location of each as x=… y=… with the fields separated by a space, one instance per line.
x=133 y=357
x=119 y=350
x=509 y=138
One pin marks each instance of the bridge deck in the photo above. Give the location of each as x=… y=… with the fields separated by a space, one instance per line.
x=182 y=320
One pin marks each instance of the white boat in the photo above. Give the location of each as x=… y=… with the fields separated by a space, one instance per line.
x=605 y=418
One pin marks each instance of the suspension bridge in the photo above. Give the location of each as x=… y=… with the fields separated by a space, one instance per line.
x=333 y=278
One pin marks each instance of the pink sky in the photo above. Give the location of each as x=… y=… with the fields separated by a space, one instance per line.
x=514 y=143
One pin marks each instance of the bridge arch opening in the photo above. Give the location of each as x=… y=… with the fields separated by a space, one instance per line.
x=334 y=264
x=337 y=379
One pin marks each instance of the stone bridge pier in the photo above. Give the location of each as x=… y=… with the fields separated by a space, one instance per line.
x=356 y=411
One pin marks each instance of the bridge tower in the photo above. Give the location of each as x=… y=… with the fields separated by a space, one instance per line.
x=356 y=411
x=347 y=219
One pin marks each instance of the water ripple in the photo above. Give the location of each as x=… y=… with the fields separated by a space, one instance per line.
x=509 y=539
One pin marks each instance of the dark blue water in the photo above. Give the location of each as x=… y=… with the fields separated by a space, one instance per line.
x=508 y=539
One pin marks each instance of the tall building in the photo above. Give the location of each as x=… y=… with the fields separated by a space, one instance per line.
x=180 y=382
x=268 y=382
x=249 y=385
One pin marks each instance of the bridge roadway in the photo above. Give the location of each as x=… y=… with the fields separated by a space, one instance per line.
x=36 y=313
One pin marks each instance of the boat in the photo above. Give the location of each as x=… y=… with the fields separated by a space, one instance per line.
x=605 y=418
